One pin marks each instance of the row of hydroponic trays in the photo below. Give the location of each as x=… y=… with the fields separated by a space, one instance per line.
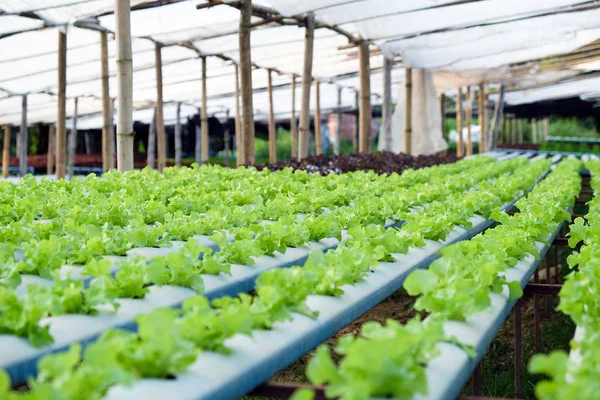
x=145 y=285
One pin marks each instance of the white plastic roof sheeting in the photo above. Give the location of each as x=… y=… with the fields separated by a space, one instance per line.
x=472 y=40
x=571 y=88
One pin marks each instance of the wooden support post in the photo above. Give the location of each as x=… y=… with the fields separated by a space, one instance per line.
x=355 y=139
x=61 y=130
x=546 y=128
x=365 y=98
x=73 y=142
x=304 y=129
x=50 y=154
x=443 y=114
x=151 y=151
x=272 y=133
x=246 y=80
x=338 y=124
x=226 y=138
x=520 y=131
x=198 y=141
x=106 y=134
x=468 y=115
x=408 y=113
x=459 y=123
x=317 y=120
x=503 y=137
x=204 y=116
x=125 y=133
x=113 y=136
x=178 y=136
x=497 y=118
x=6 y=152
x=533 y=131
x=293 y=126
x=386 y=124
x=239 y=139
x=161 y=137
x=482 y=125
x=23 y=138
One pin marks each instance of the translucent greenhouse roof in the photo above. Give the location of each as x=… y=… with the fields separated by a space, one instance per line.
x=473 y=41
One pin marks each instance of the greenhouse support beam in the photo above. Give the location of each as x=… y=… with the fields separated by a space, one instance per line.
x=161 y=139
x=338 y=125
x=246 y=80
x=106 y=134
x=520 y=131
x=61 y=129
x=271 y=122
x=497 y=118
x=226 y=137
x=50 y=153
x=239 y=139
x=364 y=135
x=198 y=141
x=408 y=113
x=443 y=111
x=6 y=151
x=23 y=138
x=125 y=133
x=204 y=117
x=459 y=124
x=73 y=141
x=293 y=127
x=356 y=122
x=151 y=151
x=112 y=137
x=304 y=128
x=317 y=119
x=178 y=136
x=468 y=116
x=482 y=124
x=386 y=125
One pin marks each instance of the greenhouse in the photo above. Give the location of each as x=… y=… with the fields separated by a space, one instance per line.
x=299 y=199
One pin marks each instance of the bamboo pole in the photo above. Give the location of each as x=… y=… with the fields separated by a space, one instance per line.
x=271 y=124
x=293 y=126
x=73 y=142
x=226 y=138
x=533 y=130
x=503 y=137
x=113 y=136
x=356 y=123
x=459 y=123
x=204 y=116
x=50 y=154
x=408 y=114
x=106 y=134
x=23 y=138
x=520 y=131
x=239 y=139
x=6 y=150
x=151 y=151
x=304 y=128
x=317 y=119
x=61 y=130
x=468 y=116
x=497 y=119
x=443 y=113
x=364 y=135
x=178 y=136
x=198 y=141
x=482 y=126
x=125 y=132
x=386 y=126
x=161 y=137
x=246 y=80
x=546 y=128
x=88 y=144
x=338 y=124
